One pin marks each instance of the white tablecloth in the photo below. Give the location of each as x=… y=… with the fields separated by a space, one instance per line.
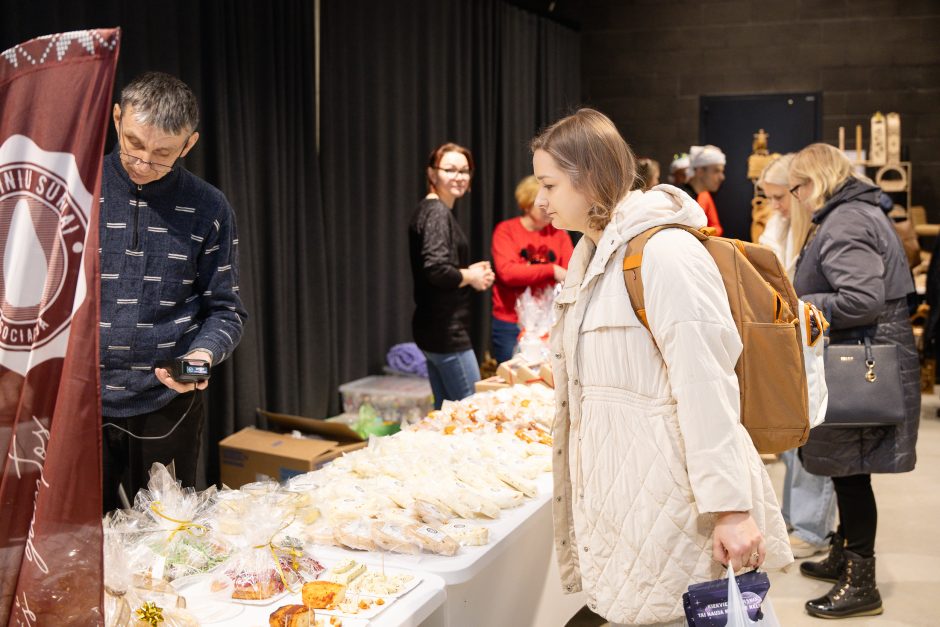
x=512 y=581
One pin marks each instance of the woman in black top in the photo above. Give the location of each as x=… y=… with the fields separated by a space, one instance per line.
x=443 y=277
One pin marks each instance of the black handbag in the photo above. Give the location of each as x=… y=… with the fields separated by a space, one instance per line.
x=864 y=382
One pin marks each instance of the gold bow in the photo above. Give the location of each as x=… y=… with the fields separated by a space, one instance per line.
x=150 y=613
x=293 y=552
x=182 y=525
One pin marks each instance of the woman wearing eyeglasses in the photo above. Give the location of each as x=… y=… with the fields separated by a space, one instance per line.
x=809 y=503
x=854 y=269
x=444 y=278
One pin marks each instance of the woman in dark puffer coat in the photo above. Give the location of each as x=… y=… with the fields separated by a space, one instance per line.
x=854 y=269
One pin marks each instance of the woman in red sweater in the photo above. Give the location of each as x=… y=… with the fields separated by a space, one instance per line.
x=527 y=252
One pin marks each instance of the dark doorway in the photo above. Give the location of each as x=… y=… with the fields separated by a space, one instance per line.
x=729 y=122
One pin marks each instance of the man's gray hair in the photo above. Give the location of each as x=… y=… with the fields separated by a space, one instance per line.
x=162 y=101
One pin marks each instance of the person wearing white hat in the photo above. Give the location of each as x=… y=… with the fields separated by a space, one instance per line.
x=708 y=167
x=679 y=170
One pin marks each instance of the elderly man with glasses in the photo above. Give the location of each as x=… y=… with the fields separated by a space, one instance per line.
x=169 y=286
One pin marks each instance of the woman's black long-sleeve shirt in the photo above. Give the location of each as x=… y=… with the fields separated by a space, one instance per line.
x=438 y=250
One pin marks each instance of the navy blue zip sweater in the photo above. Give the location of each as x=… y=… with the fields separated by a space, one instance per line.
x=169 y=282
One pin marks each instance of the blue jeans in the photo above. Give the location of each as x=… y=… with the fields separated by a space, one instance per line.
x=505 y=337
x=809 y=501
x=452 y=375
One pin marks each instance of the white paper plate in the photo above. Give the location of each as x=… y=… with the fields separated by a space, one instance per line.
x=208 y=612
x=372 y=612
x=411 y=585
x=262 y=602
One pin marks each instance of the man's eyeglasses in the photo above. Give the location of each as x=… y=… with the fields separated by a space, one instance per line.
x=132 y=161
x=794 y=189
x=454 y=173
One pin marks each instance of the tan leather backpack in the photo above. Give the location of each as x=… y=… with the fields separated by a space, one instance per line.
x=771 y=375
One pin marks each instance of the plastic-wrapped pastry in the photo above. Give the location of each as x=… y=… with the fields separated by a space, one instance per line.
x=504 y=496
x=517 y=481
x=392 y=537
x=356 y=534
x=474 y=502
x=467 y=534
x=431 y=513
x=433 y=539
x=321 y=532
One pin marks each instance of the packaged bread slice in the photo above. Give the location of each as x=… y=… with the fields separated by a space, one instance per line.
x=291 y=616
x=432 y=539
x=432 y=513
x=392 y=537
x=467 y=534
x=475 y=502
x=355 y=534
x=321 y=594
x=504 y=496
x=515 y=480
x=321 y=532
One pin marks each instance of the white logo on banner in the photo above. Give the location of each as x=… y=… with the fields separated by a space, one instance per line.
x=44 y=213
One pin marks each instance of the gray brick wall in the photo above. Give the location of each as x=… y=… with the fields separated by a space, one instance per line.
x=646 y=62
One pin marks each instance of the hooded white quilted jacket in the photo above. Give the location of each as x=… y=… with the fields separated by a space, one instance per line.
x=648 y=439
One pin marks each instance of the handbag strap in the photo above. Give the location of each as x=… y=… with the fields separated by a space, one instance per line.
x=870 y=375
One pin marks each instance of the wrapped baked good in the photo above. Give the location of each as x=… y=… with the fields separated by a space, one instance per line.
x=393 y=537
x=266 y=562
x=174 y=523
x=432 y=539
x=467 y=534
x=355 y=534
x=433 y=513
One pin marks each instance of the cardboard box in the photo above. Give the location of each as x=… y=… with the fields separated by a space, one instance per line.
x=488 y=385
x=253 y=454
x=517 y=370
x=548 y=377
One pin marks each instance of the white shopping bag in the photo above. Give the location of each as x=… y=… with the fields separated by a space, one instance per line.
x=737 y=607
x=813 y=326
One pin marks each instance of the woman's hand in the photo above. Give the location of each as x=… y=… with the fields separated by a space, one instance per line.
x=738 y=540
x=479 y=276
x=560 y=273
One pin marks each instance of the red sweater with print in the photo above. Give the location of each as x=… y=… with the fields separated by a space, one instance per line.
x=523 y=258
x=711 y=211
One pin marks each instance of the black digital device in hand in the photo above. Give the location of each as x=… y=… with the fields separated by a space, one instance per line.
x=186 y=370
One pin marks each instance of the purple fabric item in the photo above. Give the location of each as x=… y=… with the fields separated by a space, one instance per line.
x=407 y=358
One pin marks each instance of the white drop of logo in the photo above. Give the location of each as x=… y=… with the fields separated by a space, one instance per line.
x=24 y=262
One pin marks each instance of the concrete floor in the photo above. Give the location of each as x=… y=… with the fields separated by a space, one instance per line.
x=907 y=549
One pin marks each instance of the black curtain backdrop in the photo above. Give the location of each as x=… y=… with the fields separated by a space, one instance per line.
x=395 y=84
x=324 y=273
x=251 y=64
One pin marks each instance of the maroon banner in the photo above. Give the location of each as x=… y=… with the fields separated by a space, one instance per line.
x=55 y=97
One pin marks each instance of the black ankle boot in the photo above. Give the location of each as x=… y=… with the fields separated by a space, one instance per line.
x=830 y=568
x=855 y=594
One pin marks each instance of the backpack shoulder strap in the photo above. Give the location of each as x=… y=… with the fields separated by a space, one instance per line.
x=632 y=260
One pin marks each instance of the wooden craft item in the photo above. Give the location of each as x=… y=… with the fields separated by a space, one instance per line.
x=894 y=184
x=894 y=138
x=878 y=153
x=858 y=143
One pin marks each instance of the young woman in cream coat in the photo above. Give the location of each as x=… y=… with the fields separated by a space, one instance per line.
x=657 y=484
